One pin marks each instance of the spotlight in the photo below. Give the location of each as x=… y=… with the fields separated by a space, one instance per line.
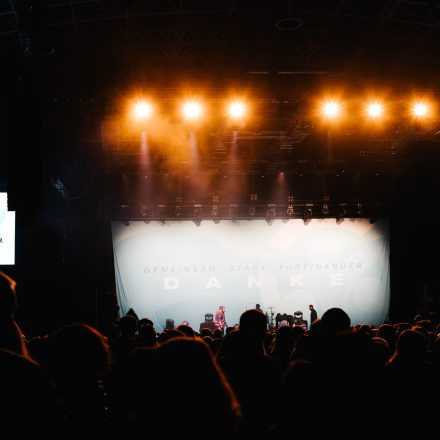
x=342 y=213
x=375 y=110
x=214 y=211
x=236 y=110
x=144 y=211
x=192 y=110
x=308 y=213
x=161 y=213
x=198 y=214
x=178 y=209
x=270 y=214
x=420 y=110
x=325 y=209
x=254 y=197
x=290 y=199
x=359 y=208
x=289 y=210
x=331 y=109
x=142 y=110
x=252 y=211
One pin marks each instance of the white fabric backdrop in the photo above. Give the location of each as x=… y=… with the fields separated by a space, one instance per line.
x=181 y=270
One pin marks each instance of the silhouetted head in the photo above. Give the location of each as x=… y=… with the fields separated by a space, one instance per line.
x=379 y=352
x=418 y=317
x=146 y=336
x=316 y=327
x=335 y=320
x=144 y=321
x=436 y=349
x=11 y=336
x=131 y=312
x=253 y=324
x=364 y=328
x=387 y=332
x=206 y=332
x=169 y=333
x=285 y=337
x=230 y=344
x=111 y=331
x=186 y=330
x=217 y=333
x=410 y=344
x=128 y=325
x=80 y=348
x=7 y=295
x=188 y=372
x=310 y=307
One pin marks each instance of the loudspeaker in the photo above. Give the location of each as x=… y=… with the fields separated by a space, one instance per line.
x=209 y=317
x=209 y=325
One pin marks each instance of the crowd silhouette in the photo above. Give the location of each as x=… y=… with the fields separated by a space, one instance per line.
x=130 y=381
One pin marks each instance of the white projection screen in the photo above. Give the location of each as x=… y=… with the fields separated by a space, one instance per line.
x=181 y=270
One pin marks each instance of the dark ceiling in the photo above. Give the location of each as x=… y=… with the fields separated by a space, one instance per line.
x=93 y=45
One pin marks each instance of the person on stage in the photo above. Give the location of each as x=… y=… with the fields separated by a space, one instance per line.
x=313 y=314
x=219 y=319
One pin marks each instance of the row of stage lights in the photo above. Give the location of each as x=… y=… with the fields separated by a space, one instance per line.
x=191 y=110
x=331 y=110
x=269 y=212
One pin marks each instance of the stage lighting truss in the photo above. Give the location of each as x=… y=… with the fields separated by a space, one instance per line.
x=330 y=110
x=268 y=211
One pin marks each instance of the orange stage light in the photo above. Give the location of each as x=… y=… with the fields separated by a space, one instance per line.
x=192 y=110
